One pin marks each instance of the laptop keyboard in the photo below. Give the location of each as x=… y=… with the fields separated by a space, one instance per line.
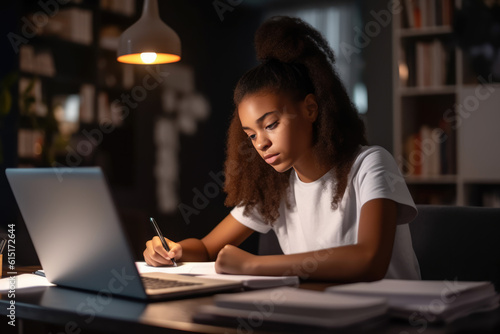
x=156 y=283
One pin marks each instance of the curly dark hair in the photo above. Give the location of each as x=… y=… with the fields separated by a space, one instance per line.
x=296 y=60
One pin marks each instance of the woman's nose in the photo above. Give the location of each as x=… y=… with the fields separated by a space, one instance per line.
x=263 y=143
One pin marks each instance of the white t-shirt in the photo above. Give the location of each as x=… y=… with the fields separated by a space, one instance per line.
x=311 y=224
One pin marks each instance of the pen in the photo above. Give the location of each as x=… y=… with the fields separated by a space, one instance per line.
x=160 y=235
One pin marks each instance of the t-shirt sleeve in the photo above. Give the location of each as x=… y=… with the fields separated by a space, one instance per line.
x=253 y=220
x=380 y=177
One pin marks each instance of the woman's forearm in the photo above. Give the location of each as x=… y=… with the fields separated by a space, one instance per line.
x=194 y=250
x=341 y=264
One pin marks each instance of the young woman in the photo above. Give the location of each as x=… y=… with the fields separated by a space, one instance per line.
x=298 y=163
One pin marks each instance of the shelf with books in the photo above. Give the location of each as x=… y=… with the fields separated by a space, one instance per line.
x=425 y=94
x=428 y=141
x=53 y=66
x=424 y=44
x=445 y=116
x=424 y=14
x=427 y=61
x=68 y=22
x=69 y=77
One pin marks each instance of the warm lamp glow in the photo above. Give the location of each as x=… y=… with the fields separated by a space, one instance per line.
x=148 y=57
x=136 y=58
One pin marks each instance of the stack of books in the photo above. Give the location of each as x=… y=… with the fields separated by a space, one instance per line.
x=434 y=301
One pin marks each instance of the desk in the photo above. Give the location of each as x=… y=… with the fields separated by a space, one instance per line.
x=73 y=311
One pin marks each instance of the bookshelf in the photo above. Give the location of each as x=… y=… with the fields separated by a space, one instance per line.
x=68 y=78
x=445 y=116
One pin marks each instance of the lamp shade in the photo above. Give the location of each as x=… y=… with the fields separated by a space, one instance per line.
x=149 y=40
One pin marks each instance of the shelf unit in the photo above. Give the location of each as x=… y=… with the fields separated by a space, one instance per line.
x=73 y=78
x=443 y=150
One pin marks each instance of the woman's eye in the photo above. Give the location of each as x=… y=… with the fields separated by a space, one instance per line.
x=251 y=137
x=272 y=125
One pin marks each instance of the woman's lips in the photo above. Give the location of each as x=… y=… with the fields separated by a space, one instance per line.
x=271 y=158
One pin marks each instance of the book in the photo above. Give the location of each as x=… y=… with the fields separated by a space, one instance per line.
x=431 y=63
x=424 y=13
x=435 y=301
x=295 y=306
x=447 y=12
x=409 y=10
x=417 y=14
x=413 y=155
x=430 y=151
x=207 y=270
x=425 y=65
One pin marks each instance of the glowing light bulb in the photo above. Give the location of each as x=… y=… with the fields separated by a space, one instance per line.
x=148 y=57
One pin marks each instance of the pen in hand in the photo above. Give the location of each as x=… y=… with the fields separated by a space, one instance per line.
x=162 y=239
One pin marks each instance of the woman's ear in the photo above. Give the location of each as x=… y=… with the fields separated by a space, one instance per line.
x=311 y=107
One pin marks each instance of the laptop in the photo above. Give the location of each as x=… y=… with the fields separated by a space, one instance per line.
x=80 y=242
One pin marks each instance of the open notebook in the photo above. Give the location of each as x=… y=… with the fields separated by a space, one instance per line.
x=207 y=270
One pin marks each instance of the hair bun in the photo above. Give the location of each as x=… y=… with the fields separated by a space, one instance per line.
x=289 y=39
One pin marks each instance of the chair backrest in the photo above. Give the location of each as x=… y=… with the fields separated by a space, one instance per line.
x=460 y=243
x=269 y=244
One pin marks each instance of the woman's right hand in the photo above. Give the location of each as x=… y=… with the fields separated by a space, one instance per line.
x=155 y=255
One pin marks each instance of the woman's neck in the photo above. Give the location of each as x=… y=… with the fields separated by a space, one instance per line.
x=309 y=169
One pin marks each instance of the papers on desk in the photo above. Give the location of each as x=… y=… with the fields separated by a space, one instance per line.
x=207 y=269
x=434 y=301
x=23 y=281
x=294 y=306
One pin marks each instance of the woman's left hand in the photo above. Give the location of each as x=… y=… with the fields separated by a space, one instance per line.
x=233 y=260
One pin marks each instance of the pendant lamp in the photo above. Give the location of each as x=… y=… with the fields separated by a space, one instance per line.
x=149 y=40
